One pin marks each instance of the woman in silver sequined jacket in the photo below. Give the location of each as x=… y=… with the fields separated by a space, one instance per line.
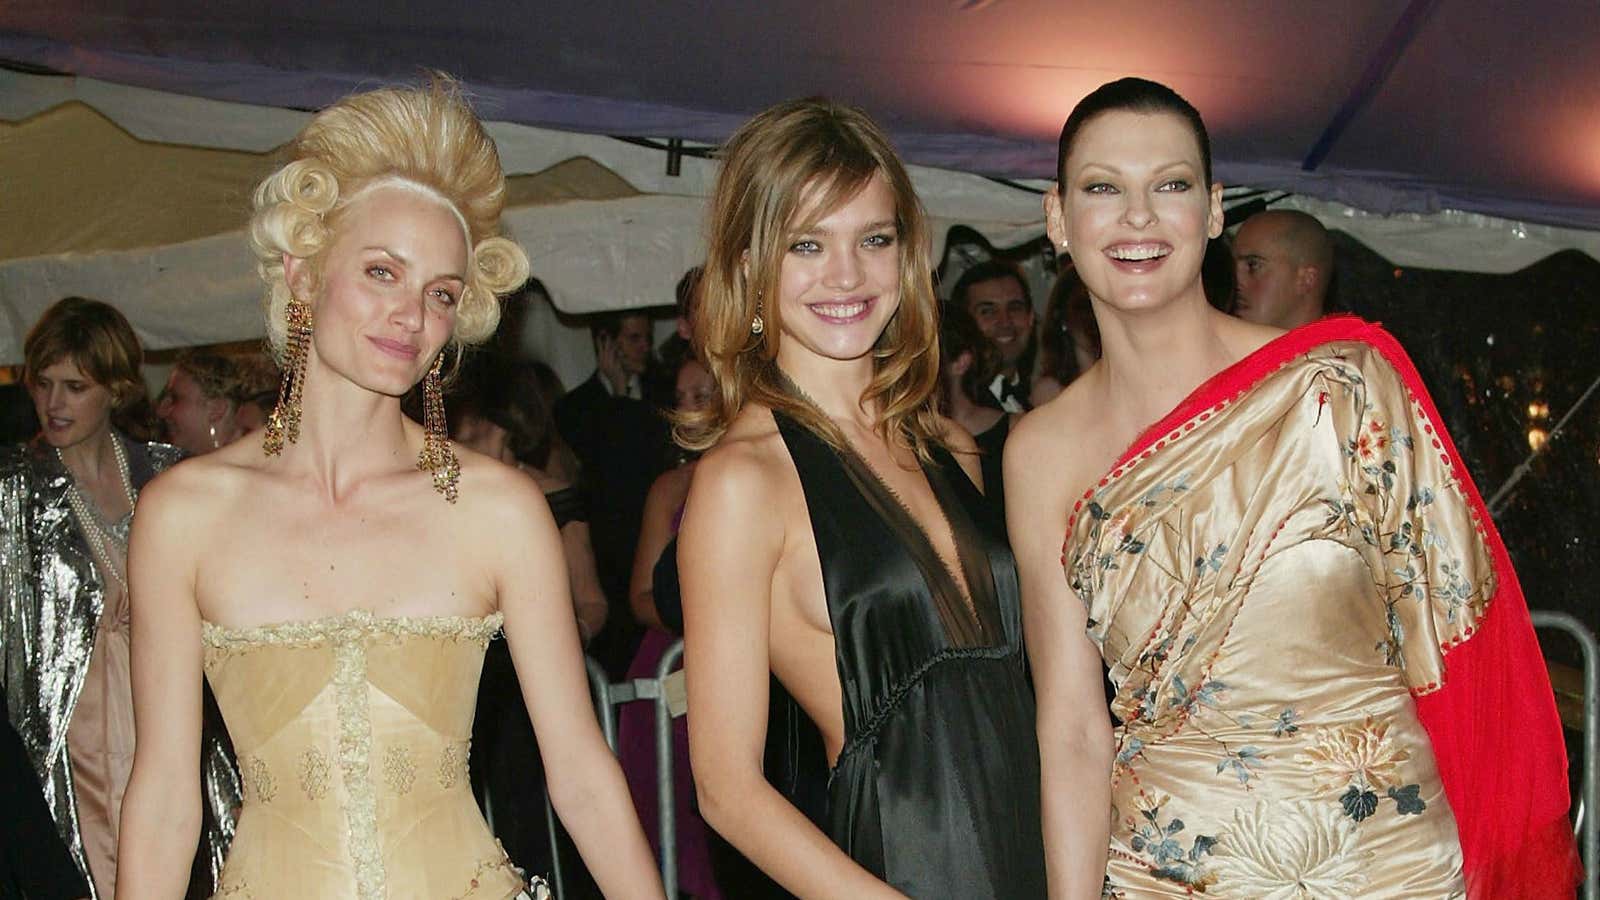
x=60 y=551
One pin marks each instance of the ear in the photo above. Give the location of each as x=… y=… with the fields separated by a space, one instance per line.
x=297 y=273
x=217 y=410
x=1055 y=219
x=1305 y=278
x=1215 y=220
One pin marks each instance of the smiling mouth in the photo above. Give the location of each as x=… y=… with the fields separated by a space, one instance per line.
x=397 y=349
x=848 y=311
x=1138 y=252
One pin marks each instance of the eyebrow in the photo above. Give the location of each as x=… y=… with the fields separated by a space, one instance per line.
x=407 y=263
x=1175 y=164
x=870 y=226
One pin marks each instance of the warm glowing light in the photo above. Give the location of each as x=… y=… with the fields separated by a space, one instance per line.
x=1538 y=409
x=1537 y=438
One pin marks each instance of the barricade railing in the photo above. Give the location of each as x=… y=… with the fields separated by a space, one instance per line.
x=1583 y=823
x=666 y=694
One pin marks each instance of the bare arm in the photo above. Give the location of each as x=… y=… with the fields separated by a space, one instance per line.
x=160 y=825
x=588 y=599
x=655 y=533
x=586 y=784
x=728 y=553
x=1074 y=727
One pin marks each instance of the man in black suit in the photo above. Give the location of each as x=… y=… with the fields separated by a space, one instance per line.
x=620 y=441
x=996 y=294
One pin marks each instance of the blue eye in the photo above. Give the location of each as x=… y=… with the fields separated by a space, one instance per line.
x=805 y=246
x=382 y=273
x=880 y=240
x=444 y=296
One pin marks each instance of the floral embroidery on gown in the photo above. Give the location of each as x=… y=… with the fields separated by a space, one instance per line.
x=352 y=735
x=1325 y=673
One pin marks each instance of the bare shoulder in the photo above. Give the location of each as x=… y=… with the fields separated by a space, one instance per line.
x=201 y=486
x=1057 y=447
x=497 y=495
x=1243 y=338
x=745 y=470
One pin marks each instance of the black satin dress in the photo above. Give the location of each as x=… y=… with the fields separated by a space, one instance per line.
x=936 y=790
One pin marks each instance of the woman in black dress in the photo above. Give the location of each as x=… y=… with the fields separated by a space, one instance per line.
x=835 y=535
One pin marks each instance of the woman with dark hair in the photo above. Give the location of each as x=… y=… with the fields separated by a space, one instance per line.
x=66 y=506
x=1069 y=341
x=968 y=362
x=835 y=535
x=1326 y=678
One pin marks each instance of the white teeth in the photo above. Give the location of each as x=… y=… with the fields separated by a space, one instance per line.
x=1137 y=252
x=839 y=310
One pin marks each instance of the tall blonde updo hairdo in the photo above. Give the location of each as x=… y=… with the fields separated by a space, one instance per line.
x=428 y=136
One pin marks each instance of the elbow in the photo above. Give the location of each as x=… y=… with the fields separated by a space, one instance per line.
x=720 y=797
x=643 y=605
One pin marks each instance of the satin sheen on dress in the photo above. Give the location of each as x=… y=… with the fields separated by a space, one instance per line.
x=936 y=790
x=352 y=735
x=1325 y=672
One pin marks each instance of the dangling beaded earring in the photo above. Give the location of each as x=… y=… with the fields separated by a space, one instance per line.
x=437 y=457
x=283 y=426
x=757 y=324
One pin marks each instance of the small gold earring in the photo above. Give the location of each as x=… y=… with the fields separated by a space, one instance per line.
x=757 y=324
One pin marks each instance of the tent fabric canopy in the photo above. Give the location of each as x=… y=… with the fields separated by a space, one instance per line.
x=1487 y=106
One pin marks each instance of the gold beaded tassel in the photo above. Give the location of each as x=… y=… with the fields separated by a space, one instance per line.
x=283 y=426
x=437 y=457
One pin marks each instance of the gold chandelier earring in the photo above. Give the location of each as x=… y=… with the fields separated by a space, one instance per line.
x=437 y=458
x=283 y=426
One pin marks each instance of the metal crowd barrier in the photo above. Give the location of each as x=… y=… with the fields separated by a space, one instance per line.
x=1583 y=826
x=668 y=702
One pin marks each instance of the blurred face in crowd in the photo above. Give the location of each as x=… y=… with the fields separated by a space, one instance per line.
x=72 y=407
x=695 y=389
x=1003 y=314
x=1135 y=210
x=839 y=282
x=633 y=344
x=192 y=422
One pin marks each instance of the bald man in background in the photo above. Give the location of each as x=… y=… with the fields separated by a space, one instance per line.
x=1283 y=264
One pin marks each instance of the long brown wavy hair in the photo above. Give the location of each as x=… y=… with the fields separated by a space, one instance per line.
x=782 y=171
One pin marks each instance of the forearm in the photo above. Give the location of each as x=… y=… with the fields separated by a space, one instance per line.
x=1076 y=805
x=752 y=816
x=160 y=829
x=597 y=810
x=643 y=605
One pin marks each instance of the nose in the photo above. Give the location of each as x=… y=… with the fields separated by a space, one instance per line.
x=1138 y=213
x=843 y=270
x=408 y=312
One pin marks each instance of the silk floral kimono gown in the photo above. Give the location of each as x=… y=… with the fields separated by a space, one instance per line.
x=1327 y=679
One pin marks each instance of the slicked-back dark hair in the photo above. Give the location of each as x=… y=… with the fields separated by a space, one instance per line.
x=1138 y=95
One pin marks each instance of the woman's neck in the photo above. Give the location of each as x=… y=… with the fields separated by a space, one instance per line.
x=348 y=434
x=94 y=458
x=1153 y=359
x=834 y=386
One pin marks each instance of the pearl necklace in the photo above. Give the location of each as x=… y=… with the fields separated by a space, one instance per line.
x=96 y=533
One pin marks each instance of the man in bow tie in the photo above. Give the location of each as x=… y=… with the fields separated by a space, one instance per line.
x=996 y=294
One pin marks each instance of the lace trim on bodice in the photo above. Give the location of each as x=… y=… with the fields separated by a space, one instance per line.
x=358 y=624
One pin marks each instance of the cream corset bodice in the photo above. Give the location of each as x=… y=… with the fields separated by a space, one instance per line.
x=352 y=735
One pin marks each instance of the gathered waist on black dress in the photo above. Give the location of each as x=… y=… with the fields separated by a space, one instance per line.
x=867 y=733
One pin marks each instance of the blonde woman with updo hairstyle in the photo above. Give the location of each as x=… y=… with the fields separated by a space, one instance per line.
x=337 y=599
x=836 y=537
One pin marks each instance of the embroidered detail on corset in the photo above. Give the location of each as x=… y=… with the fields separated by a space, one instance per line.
x=453 y=764
x=314 y=771
x=355 y=761
x=490 y=865
x=357 y=624
x=399 y=772
x=257 y=779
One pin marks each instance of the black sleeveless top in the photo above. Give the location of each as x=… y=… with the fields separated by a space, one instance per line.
x=936 y=790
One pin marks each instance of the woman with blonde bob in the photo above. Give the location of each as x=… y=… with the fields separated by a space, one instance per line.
x=832 y=538
x=339 y=601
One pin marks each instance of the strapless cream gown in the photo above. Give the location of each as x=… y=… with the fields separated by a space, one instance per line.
x=352 y=737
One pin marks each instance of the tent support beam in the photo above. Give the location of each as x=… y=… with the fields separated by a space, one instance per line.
x=1389 y=52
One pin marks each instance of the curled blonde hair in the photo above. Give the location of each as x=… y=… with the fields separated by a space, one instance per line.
x=428 y=136
x=788 y=167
